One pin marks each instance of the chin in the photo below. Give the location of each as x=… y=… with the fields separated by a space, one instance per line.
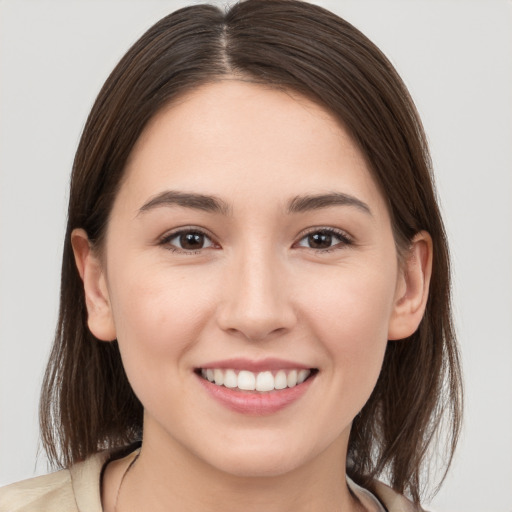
x=259 y=457
x=260 y=467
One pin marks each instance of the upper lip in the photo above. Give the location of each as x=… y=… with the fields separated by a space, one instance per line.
x=256 y=365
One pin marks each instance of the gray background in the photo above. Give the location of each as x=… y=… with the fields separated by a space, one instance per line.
x=455 y=56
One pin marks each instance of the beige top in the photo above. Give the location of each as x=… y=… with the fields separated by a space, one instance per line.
x=78 y=490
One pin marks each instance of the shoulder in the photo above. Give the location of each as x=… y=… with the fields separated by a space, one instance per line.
x=48 y=492
x=69 y=490
x=379 y=497
x=393 y=501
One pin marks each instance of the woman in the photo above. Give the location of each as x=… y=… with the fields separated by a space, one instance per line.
x=255 y=282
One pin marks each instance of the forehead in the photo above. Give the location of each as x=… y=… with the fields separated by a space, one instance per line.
x=248 y=141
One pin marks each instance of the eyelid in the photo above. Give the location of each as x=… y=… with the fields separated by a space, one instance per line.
x=345 y=238
x=330 y=229
x=169 y=235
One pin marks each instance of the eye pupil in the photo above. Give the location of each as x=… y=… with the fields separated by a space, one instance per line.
x=320 y=240
x=191 y=241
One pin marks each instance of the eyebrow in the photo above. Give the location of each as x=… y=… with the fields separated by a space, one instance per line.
x=300 y=204
x=187 y=200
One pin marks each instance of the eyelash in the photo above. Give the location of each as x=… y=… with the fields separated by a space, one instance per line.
x=344 y=239
x=165 y=241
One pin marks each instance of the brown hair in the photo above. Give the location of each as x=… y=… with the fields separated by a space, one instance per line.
x=87 y=403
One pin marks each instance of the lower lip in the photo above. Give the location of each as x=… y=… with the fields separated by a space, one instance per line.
x=254 y=402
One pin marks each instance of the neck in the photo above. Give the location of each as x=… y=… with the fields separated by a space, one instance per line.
x=166 y=476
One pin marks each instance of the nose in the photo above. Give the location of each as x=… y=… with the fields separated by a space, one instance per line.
x=257 y=302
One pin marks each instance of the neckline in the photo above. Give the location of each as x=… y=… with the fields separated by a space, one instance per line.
x=367 y=498
x=84 y=474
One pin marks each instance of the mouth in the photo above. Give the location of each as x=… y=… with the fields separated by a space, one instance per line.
x=267 y=381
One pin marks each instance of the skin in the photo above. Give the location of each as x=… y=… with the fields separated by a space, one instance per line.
x=256 y=289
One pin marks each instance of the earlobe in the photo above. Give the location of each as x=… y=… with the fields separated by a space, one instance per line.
x=412 y=288
x=99 y=312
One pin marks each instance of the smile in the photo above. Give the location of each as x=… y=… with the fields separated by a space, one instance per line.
x=265 y=381
x=256 y=387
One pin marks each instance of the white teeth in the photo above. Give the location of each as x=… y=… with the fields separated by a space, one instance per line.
x=292 y=379
x=301 y=376
x=265 y=381
x=219 y=376
x=250 y=381
x=246 y=381
x=280 y=380
x=230 y=379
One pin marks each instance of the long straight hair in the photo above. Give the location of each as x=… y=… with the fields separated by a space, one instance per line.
x=87 y=403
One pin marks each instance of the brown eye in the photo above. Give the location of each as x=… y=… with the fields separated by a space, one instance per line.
x=192 y=241
x=324 y=239
x=188 y=241
x=320 y=240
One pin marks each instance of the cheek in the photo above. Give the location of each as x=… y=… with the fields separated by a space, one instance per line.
x=351 y=321
x=354 y=302
x=158 y=317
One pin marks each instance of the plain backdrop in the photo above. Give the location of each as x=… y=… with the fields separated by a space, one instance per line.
x=455 y=56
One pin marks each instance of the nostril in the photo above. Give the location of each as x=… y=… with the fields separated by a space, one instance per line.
x=254 y=313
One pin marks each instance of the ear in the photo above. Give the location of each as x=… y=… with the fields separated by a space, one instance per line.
x=99 y=312
x=412 y=288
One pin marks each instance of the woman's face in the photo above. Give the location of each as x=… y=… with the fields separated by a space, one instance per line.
x=249 y=244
